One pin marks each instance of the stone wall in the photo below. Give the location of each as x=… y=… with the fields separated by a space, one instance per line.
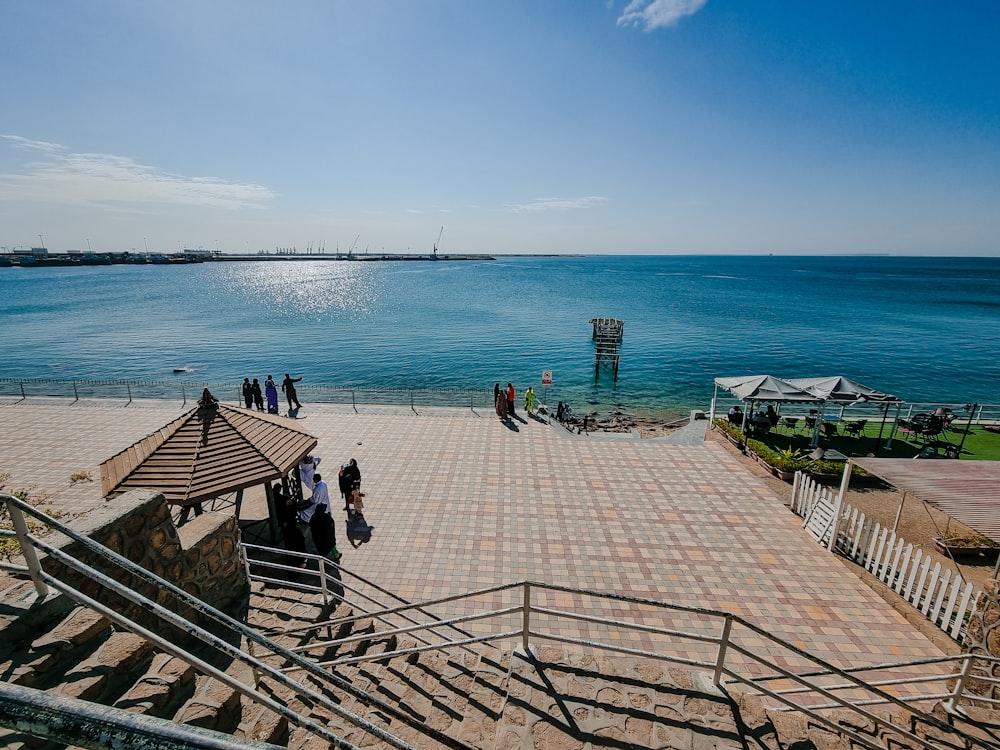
x=204 y=557
x=983 y=634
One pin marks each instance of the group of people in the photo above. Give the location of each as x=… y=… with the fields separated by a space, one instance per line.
x=314 y=511
x=254 y=398
x=504 y=400
x=762 y=421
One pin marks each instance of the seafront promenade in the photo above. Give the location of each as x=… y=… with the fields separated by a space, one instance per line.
x=461 y=501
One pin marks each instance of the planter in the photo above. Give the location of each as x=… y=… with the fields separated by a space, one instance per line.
x=960 y=549
x=741 y=446
x=783 y=474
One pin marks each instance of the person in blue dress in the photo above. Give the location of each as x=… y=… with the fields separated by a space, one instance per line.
x=271 y=392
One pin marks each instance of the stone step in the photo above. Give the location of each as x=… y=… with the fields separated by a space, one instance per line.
x=167 y=683
x=109 y=671
x=776 y=729
x=24 y=615
x=43 y=661
x=565 y=698
x=214 y=705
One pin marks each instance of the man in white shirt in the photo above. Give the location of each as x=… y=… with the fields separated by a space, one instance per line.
x=317 y=515
x=307 y=470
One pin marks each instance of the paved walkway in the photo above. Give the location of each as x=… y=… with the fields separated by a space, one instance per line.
x=460 y=501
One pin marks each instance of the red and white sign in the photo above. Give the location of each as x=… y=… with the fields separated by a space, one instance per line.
x=546 y=377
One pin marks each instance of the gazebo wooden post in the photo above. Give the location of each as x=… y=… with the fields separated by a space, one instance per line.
x=272 y=511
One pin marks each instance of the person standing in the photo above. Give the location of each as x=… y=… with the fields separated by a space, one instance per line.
x=529 y=400
x=510 y=399
x=307 y=470
x=285 y=510
x=317 y=515
x=271 y=391
x=501 y=405
x=288 y=386
x=348 y=477
x=247 y=393
x=258 y=398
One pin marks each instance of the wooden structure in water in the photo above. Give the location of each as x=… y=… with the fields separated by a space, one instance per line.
x=607 y=342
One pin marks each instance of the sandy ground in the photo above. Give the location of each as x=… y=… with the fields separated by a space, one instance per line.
x=919 y=523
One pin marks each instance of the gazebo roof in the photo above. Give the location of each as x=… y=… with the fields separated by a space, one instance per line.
x=209 y=451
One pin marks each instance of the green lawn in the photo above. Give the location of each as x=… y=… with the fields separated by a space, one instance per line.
x=979 y=445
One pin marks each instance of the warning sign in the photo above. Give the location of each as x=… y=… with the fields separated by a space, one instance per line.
x=546 y=377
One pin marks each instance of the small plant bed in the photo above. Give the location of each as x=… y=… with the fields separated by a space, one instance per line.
x=966 y=547
x=784 y=455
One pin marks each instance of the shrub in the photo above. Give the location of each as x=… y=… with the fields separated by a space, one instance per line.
x=785 y=460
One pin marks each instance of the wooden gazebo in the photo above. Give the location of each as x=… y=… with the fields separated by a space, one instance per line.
x=210 y=451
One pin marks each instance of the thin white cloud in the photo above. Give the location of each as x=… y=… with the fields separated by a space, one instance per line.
x=108 y=180
x=29 y=145
x=556 y=204
x=655 y=14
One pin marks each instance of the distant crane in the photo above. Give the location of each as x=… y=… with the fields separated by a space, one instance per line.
x=438 y=240
x=351 y=251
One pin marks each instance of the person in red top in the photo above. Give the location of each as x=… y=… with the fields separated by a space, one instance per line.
x=510 y=399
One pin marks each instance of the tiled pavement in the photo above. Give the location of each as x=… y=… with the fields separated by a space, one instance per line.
x=459 y=501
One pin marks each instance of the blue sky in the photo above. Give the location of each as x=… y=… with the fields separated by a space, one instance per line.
x=559 y=126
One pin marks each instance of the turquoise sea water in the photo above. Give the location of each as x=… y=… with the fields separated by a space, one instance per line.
x=925 y=329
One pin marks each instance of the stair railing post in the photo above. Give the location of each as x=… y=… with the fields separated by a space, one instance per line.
x=526 y=618
x=23 y=396
x=27 y=549
x=720 y=659
x=128 y=388
x=322 y=580
x=76 y=396
x=951 y=705
x=184 y=396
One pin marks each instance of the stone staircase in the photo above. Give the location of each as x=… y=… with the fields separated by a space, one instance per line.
x=482 y=697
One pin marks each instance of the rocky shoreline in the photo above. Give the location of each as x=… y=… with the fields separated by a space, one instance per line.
x=623 y=422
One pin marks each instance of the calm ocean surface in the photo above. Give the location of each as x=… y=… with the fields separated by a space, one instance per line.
x=925 y=329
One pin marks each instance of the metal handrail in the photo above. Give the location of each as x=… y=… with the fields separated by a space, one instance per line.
x=322 y=564
x=725 y=643
x=29 y=543
x=180 y=390
x=78 y=723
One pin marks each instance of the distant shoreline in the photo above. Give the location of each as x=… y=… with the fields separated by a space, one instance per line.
x=74 y=260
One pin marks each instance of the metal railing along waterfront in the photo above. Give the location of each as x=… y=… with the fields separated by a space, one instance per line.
x=874 y=412
x=735 y=651
x=189 y=391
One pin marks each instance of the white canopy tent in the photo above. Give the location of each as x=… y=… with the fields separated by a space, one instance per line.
x=819 y=390
x=840 y=390
x=752 y=388
x=843 y=391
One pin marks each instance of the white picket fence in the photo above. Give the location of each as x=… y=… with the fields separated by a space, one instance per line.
x=939 y=593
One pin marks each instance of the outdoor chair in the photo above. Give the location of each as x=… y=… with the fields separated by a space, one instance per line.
x=856 y=428
x=810 y=422
x=790 y=422
x=829 y=429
